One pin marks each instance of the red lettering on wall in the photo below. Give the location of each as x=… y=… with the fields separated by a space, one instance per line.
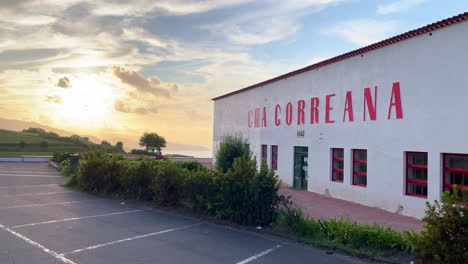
x=249 y=118
x=328 y=108
x=257 y=118
x=277 y=112
x=395 y=101
x=348 y=107
x=264 y=122
x=370 y=103
x=289 y=113
x=314 y=112
x=300 y=112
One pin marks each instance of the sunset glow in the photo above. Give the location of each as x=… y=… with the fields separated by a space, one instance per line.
x=116 y=69
x=89 y=103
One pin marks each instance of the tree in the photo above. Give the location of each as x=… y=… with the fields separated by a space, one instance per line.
x=22 y=144
x=119 y=146
x=35 y=130
x=231 y=147
x=152 y=141
x=105 y=143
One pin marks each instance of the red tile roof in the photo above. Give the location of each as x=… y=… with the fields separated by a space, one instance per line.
x=413 y=33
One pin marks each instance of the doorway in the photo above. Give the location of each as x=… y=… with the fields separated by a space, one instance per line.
x=300 y=168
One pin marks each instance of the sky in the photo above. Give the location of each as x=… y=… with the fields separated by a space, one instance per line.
x=114 y=69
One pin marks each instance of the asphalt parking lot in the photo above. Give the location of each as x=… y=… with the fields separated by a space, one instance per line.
x=43 y=222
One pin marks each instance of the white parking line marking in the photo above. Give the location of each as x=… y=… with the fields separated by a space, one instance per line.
x=46 y=250
x=30 y=175
x=258 y=255
x=79 y=218
x=31 y=194
x=128 y=239
x=25 y=186
x=46 y=204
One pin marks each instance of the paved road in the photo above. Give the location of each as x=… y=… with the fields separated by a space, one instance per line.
x=42 y=222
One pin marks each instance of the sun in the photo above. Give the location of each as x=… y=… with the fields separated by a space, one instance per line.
x=88 y=102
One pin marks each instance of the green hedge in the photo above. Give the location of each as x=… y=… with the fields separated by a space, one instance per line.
x=343 y=231
x=243 y=195
x=61 y=156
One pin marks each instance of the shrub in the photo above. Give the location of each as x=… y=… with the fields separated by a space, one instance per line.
x=70 y=171
x=142 y=152
x=61 y=156
x=136 y=179
x=345 y=232
x=167 y=183
x=247 y=196
x=200 y=191
x=445 y=237
x=190 y=165
x=231 y=147
x=99 y=173
x=244 y=194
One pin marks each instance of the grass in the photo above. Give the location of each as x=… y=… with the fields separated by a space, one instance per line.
x=13 y=137
x=363 y=240
x=10 y=144
x=177 y=156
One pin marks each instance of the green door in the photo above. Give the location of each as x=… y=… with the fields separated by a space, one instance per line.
x=300 y=168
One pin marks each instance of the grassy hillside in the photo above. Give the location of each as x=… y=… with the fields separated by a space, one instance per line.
x=25 y=143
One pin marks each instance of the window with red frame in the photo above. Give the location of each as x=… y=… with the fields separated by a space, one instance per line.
x=416 y=174
x=360 y=167
x=337 y=164
x=274 y=157
x=264 y=153
x=455 y=171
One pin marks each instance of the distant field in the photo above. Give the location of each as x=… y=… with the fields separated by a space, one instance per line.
x=10 y=144
x=13 y=137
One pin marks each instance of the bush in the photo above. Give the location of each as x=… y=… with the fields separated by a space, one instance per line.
x=248 y=196
x=99 y=173
x=231 y=147
x=244 y=194
x=445 y=237
x=142 y=152
x=61 y=156
x=167 y=183
x=190 y=165
x=343 y=232
x=200 y=191
x=136 y=179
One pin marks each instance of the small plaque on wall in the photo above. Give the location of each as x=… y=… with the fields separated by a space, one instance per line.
x=300 y=133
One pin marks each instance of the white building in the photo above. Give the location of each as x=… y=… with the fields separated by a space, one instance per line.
x=385 y=125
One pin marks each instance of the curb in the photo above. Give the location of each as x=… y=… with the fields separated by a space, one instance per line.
x=54 y=164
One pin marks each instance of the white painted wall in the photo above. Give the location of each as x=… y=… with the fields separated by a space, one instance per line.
x=433 y=74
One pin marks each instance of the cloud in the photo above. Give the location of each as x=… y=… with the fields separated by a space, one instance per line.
x=120 y=106
x=261 y=33
x=45 y=119
x=152 y=85
x=174 y=7
x=270 y=21
x=54 y=99
x=363 y=32
x=398 y=6
x=64 y=82
x=196 y=116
